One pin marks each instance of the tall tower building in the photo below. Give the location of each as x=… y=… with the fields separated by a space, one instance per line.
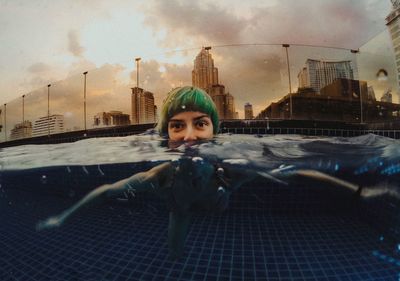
x=248 y=111
x=317 y=74
x=142 y=106
x=204 y=74
x=224 y=101
x=393 y=23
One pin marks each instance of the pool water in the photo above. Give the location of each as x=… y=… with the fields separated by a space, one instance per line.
x=305 y=230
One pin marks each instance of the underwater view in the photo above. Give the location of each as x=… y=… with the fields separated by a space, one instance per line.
x=306 y=208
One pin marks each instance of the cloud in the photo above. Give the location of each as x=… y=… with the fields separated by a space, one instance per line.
x=74 y=45
x=188 y=21
x=38 y=68
x=258 y=74
x=161 y=82
x=339 y=23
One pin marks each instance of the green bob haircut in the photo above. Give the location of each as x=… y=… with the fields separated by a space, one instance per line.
x=187 y=99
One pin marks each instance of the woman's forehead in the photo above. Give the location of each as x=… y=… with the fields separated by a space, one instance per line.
x=189 y=115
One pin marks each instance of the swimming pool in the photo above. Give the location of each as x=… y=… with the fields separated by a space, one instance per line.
x=305 y=230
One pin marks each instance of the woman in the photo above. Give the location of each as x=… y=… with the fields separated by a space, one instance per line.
x=188 y=115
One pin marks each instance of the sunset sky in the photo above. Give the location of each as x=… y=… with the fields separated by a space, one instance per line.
x=44 y=42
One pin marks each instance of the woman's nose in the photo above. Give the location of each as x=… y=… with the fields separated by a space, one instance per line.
x=190 y=134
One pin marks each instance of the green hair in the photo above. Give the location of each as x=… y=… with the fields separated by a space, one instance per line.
x=187 y=99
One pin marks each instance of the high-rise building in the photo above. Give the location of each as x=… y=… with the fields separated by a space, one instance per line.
x=224 y=101
x=248 y=111
x=317 y=74
x=112 y=118
x=230 y=111
x=22 y=130
x=143 y=110
x=393 y=23
x=54 y=124
x=204 y=74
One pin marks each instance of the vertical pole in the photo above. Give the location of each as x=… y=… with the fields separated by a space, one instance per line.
x=5 y=122
x=138 y=100
x=286 y=46
x=355 y=52
x=84 y=99
x=137 y=71
x=48 y=110
x=23 y=108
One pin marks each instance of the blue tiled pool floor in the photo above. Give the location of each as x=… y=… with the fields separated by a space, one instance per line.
x=114 y=242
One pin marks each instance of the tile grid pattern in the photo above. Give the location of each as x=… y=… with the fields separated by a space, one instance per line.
x=113 y=242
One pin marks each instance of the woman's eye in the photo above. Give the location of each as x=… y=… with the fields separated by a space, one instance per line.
x=202 y=123
x=176 y=126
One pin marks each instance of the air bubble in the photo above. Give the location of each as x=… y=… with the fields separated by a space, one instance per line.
x=197 y=159
x=43 y=179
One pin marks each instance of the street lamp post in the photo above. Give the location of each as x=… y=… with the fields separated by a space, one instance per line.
x=286 y=46
x=84 y=99
x=355 y=52
x=48 y=110
x=23 y=108
x=5 y=122
x=137 y=71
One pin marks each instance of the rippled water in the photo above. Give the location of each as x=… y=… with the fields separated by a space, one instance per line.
x=370 y=155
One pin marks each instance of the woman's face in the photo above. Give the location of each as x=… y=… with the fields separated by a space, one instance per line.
x=190 y=126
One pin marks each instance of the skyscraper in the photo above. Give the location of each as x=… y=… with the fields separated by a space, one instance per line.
x=143 y=110
x=317 y=74
x=393 y=23
x=248 y=111
x=204 y=74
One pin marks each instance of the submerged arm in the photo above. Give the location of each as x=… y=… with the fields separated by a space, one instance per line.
x=237 y=177
x=289 y=171
x=313 y=174
x=151 y=180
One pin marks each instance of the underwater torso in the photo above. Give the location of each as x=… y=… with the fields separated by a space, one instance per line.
x=193 y=183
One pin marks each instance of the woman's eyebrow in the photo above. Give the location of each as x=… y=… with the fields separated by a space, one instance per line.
x=201 y=116
x=175 y=120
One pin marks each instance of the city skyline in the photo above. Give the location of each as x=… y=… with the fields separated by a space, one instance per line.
x=214 y=90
